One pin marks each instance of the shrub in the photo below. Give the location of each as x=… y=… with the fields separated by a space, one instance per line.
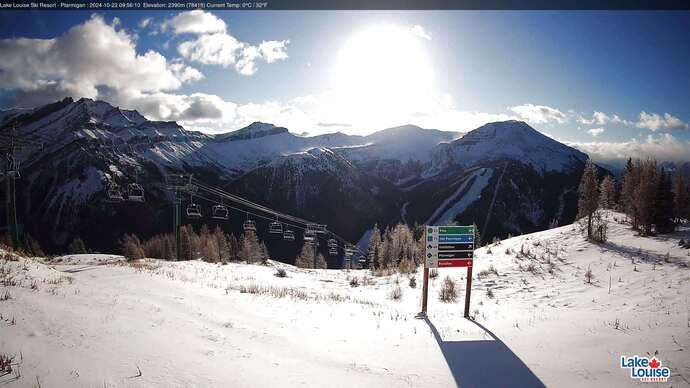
x=5 y=364
x=406 y=266
x=413 y=282
x=395 y=293
x=448 y=293
x=281 y=273
x=433 y=273
x=490 y=293
x=354 y=281
x=589 y=275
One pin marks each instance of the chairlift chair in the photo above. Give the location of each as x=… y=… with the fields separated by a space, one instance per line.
x=114 y=194
x=135 y=192
x=12 y=170
x=249 y=225
x=194 y=211
x=220 y=212
x=333 y=251
x=288 y=235
x=332 y=243
x=309 y=235
x=275 y=227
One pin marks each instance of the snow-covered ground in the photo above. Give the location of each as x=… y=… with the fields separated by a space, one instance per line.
x=104 y=322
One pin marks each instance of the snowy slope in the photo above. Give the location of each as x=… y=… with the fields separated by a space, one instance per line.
x=174 y=324
x=506 y=140
x=403 y=143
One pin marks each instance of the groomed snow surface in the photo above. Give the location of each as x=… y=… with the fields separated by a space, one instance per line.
x=97 y=321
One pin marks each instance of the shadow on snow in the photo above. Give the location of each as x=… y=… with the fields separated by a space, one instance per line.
x=484 y=363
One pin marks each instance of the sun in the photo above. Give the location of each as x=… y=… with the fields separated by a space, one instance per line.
x=383 y=69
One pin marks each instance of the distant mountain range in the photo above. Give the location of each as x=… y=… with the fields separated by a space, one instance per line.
x=506 y=177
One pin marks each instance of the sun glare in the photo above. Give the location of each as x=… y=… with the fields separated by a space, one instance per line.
x=383 y=69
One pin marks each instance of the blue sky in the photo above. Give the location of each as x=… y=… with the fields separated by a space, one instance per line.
x=358 y=72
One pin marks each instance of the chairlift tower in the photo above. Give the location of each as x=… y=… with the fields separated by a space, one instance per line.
x=9 y=145
x=178 y=184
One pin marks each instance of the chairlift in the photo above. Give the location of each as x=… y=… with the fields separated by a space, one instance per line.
x=275 y=227
x=114 y=194
x=193 y=209
x=220 y=212
x=249 y=225
x=333 y=251
x=309 y=235
x=135 y=192
x=332 y=243
x=288 y=235
x=12 y=170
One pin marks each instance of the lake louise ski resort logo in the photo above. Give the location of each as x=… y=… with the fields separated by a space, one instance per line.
x=646 y=369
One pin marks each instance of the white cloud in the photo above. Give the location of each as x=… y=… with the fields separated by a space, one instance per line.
x=88 y=57
x=664 y=147
x=539 y=114
x=420 y=32
x=215 y=46
x=601 y=118
x=195 y=22
x=185 y=73
x=143 y=23
x=596 y=131
x=274 y=50
x=653 y=121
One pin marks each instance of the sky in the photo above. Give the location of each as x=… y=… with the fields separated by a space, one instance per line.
x=614 y=84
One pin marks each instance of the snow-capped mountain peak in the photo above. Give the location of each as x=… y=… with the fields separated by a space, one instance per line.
x=514 y=140
x=254 y=130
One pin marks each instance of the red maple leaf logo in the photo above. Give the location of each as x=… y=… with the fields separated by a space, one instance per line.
x=654 y=363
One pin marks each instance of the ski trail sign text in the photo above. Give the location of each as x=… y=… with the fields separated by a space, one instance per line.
x=448 y=246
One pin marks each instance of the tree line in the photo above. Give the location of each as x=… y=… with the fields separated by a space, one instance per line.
x=213 y=246
x=654 y=201
x=399 y=247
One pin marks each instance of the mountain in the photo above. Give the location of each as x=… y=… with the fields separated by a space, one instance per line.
x=505 y=176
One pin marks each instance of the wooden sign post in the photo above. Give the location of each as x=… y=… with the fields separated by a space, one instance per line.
x=448 y=246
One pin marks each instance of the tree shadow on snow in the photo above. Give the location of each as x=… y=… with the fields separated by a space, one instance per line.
x=640 y=254
x=484 y=363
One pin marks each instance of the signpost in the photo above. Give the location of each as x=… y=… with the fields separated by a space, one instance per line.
x=449 y=246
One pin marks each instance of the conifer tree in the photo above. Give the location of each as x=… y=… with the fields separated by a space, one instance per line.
x=306 y=257
x=374 y=247
x=77 y=246
x=631 y=179
x=607 y=193
x=321 y=262
x=644 y=195
x=589 y=195
x=681 y=197
x=663 y=204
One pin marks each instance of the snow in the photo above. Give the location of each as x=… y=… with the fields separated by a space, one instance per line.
x=513 y=140
x=194 y=323
x=453 y=205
